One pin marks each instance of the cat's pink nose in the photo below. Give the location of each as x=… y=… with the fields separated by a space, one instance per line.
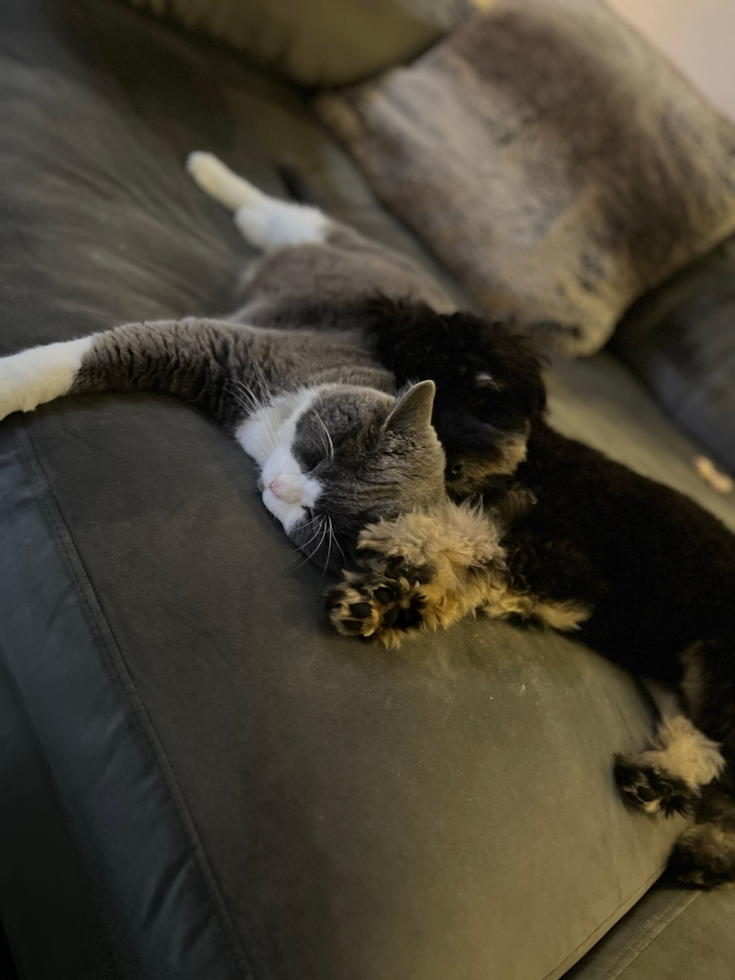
x=287 y=488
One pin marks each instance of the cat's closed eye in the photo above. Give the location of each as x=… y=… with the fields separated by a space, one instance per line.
x=311 y=456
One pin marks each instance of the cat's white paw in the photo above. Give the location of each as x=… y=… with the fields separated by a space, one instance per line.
x=269 y=223
x=39 y=375
x=219 y=182
x=254 y=224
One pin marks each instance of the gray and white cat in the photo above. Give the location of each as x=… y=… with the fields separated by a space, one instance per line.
x=336 y=446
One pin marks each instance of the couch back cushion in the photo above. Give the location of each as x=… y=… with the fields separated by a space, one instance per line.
x=680 y=339
x=320 y=42
x=553 y=160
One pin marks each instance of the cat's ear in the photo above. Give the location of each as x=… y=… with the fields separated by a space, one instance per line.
x=412 y=412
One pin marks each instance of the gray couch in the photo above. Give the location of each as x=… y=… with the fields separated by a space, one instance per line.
x=197 y=778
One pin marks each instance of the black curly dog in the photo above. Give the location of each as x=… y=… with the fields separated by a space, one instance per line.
x=655 y=572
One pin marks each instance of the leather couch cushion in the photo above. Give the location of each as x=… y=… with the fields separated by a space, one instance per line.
x=241 y=792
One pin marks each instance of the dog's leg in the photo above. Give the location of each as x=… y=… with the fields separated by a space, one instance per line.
x=668 y=777
x=420 y=571
x=426 y=570
x=704 y=855
x=264 y=222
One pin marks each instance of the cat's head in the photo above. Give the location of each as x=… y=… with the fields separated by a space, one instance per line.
x=338 y=457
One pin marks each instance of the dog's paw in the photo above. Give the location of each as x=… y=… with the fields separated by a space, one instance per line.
x=386 y=600
x=422 y=571
x=652 y=789
x=376 y=607
x=704 y=857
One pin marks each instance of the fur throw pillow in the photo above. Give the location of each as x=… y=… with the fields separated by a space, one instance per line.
x=554 y=161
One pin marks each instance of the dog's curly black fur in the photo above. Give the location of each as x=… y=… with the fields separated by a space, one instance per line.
x=656 y=571
x=489 y=387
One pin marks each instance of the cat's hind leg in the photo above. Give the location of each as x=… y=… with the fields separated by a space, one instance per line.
x=669 y=775
x=265 y=222
x=219 y=182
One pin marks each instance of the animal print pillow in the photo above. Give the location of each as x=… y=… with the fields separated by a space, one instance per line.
x=555 y=162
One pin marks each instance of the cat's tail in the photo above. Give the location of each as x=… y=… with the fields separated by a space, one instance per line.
x=264 y=222
x=704 y=855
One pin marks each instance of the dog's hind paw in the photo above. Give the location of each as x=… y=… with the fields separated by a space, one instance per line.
x=704 y=857
x=652 y=789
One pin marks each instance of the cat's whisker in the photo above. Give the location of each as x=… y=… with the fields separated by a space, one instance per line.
x=239 y=385
x=321 y=540
x=271 y=435
x=271 y=428
x=329 y=551
x=316 y=549
x=330 y=444
x=304 y=527
x=300 y=549
x=260 y=376
x=336 y=541
x=244 y=395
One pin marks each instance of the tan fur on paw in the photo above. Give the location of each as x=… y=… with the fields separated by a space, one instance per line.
x=375 y=608
x=426 y=570
x=450 y=534
x=421 y=571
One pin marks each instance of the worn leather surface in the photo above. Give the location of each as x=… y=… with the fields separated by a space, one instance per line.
x=235 y=790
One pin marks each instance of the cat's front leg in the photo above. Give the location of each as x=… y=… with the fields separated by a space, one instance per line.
x=39 y=375
x=422 y=571
x=191 y=359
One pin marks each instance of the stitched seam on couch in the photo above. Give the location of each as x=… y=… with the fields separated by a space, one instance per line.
x=657 y=926
x=571 y=958
x=99 y=626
